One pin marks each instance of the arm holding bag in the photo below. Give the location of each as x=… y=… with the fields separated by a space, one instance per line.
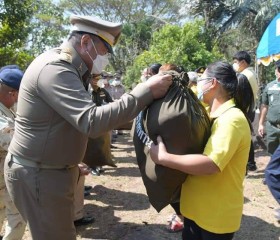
x=184 y=125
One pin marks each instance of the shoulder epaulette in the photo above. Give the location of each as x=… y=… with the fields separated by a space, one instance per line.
x=66 y=55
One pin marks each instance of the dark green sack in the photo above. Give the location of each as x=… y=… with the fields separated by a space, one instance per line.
x=183 y=123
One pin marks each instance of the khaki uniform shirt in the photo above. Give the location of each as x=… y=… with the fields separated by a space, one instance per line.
x=7 y=119
x=252 y=78
x=56 y=115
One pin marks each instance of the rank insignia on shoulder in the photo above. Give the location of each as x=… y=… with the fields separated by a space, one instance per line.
x=66 y=55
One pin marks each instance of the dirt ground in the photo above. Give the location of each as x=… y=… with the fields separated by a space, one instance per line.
x=122 y=210
x=119 y=203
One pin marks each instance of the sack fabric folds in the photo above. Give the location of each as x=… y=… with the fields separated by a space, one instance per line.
x=184 y=125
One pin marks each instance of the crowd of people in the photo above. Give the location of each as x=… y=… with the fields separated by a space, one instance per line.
x=68 y=106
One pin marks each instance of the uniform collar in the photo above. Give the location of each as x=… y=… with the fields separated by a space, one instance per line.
x=223 y=108
x=76 y=58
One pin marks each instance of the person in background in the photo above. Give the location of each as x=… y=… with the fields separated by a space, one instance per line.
x=106 y=82
x=220 y=170
x=200 y=71
x=193 y=76
x=117 y=91
x=144 y=75
x=100 y=97
x=153 y=69
x=118 y=88
x=10 y=79
x=270 y=111
x=272 y=178
x=79 y=218
x=241 y=64
x=55 y=118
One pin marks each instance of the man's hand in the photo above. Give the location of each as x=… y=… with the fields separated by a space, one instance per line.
x=159 y=84
x=84 y=169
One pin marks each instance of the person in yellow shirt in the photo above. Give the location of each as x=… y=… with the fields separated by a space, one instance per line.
x=212 y=195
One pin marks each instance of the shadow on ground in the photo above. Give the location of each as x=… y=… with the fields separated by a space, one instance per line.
x=107 y=226
x=253 y=228
x=119 y=200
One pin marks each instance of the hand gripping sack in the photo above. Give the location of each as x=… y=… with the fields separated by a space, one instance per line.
x=184 y=125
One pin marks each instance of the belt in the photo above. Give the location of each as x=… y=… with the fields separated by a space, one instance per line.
x=28 y=163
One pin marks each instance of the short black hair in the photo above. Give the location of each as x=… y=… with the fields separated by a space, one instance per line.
x=154 y=68
x=242 y=55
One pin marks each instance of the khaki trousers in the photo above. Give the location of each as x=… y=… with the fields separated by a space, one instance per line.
x=79 y=198
x=44 y=197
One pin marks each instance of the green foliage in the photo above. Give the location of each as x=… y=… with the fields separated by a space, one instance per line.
x=47 y=28
x=135 y=39
x=28 y=27
x=139 y=17
x=184 y=46
x=9 y=56
x=125 y=11
x=251 y=17
x=234 y=40
x=14 y=18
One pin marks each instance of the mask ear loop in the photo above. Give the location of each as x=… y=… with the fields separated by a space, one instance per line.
x=94 y=49
x=94 y=46
x=207 y=90
x=108 y=54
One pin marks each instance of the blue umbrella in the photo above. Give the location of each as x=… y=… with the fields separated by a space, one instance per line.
x=269 y=46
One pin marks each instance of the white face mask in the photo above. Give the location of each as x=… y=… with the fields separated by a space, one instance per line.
x=99 y=63
x=100 y=83
x=117 y=82
x=235 y=67
x=200 y=91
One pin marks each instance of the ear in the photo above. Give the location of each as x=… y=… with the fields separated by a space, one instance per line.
x=85 y=42
x=214 y=82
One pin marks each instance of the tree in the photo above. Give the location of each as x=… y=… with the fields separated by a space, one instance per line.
x=235 y=24
x=184 y=46
x=47 y=28
x=139 y=17
x=125 y=11
x=14 y=17
x=27 y=28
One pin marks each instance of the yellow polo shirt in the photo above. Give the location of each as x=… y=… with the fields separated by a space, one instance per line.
x=215 y=202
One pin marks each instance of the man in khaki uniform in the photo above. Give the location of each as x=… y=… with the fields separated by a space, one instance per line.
x=270 y=111
x=10 y=78
x=55 y=117
x=117 y=88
